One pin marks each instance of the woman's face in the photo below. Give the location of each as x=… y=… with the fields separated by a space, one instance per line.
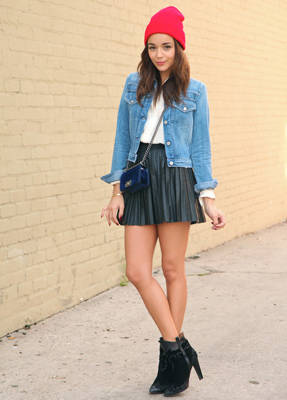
x=161 y=51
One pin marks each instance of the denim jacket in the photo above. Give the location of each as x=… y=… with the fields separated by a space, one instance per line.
x=186 y=132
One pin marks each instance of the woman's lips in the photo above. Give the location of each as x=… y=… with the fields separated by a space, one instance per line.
x=161 y=63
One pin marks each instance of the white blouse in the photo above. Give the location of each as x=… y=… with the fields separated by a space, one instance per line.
x=153 y=115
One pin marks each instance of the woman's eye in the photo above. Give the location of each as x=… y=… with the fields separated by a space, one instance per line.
x=166 y=47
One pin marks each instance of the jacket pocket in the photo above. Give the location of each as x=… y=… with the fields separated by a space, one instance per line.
x=182 y=116
x=131 y=94
x=187 y=106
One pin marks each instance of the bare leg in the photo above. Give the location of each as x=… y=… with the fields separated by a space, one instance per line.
x=140 y=243
x=173 y=238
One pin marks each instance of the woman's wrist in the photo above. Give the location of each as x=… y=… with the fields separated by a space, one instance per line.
x=208 y=200
x=116 y=190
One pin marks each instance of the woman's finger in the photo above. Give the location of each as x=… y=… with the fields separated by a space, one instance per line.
x=121 y=211
x=114 y=216
x=108 y=215
x=118 y=216
x=221 y=221
x=215 y=220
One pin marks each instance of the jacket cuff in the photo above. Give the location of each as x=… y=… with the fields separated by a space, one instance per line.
x=205 y=185
x=112 y=176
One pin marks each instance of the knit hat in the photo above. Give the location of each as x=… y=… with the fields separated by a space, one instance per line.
x=167 y=20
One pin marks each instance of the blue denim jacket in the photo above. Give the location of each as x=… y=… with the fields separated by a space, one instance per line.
x=186 y=132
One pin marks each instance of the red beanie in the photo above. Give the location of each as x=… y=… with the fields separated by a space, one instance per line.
x=167 y=20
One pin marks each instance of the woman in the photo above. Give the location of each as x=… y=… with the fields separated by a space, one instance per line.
x=179 y=163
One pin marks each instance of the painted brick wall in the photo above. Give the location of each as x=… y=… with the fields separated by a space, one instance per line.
x=63 y=65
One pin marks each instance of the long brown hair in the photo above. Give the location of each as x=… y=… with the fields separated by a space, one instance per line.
x=177 y=83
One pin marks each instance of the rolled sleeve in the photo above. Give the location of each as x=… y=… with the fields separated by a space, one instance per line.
x=122 y=141
x=200 y=145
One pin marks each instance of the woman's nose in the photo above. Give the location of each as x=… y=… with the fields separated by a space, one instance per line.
x=158 y=53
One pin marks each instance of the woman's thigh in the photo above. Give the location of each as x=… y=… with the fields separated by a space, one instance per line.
x=140 y=243
x=173 y=239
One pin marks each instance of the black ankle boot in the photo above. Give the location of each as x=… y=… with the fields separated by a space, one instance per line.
x=161 y=381
x=178 y=366
x=192 y=355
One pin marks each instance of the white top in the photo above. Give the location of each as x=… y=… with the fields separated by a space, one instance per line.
x=153 y=115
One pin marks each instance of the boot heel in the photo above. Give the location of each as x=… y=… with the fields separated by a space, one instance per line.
x=197 y=368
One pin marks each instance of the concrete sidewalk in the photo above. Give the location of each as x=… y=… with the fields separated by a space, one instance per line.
x=106 y=347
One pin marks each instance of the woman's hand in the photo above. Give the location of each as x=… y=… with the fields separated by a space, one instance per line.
x=218 y=219
x=116 y=203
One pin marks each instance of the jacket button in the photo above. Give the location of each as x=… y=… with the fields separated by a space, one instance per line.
x=165 y=121
x=168 y=142
x=171 y=163
x=184 y=108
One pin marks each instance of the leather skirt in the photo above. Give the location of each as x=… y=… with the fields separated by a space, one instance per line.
x=170 y=197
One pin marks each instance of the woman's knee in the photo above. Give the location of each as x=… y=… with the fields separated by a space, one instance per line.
x=173 y=269
x=137 y=274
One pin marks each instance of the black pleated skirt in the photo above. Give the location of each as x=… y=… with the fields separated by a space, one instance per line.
x=170 y=196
